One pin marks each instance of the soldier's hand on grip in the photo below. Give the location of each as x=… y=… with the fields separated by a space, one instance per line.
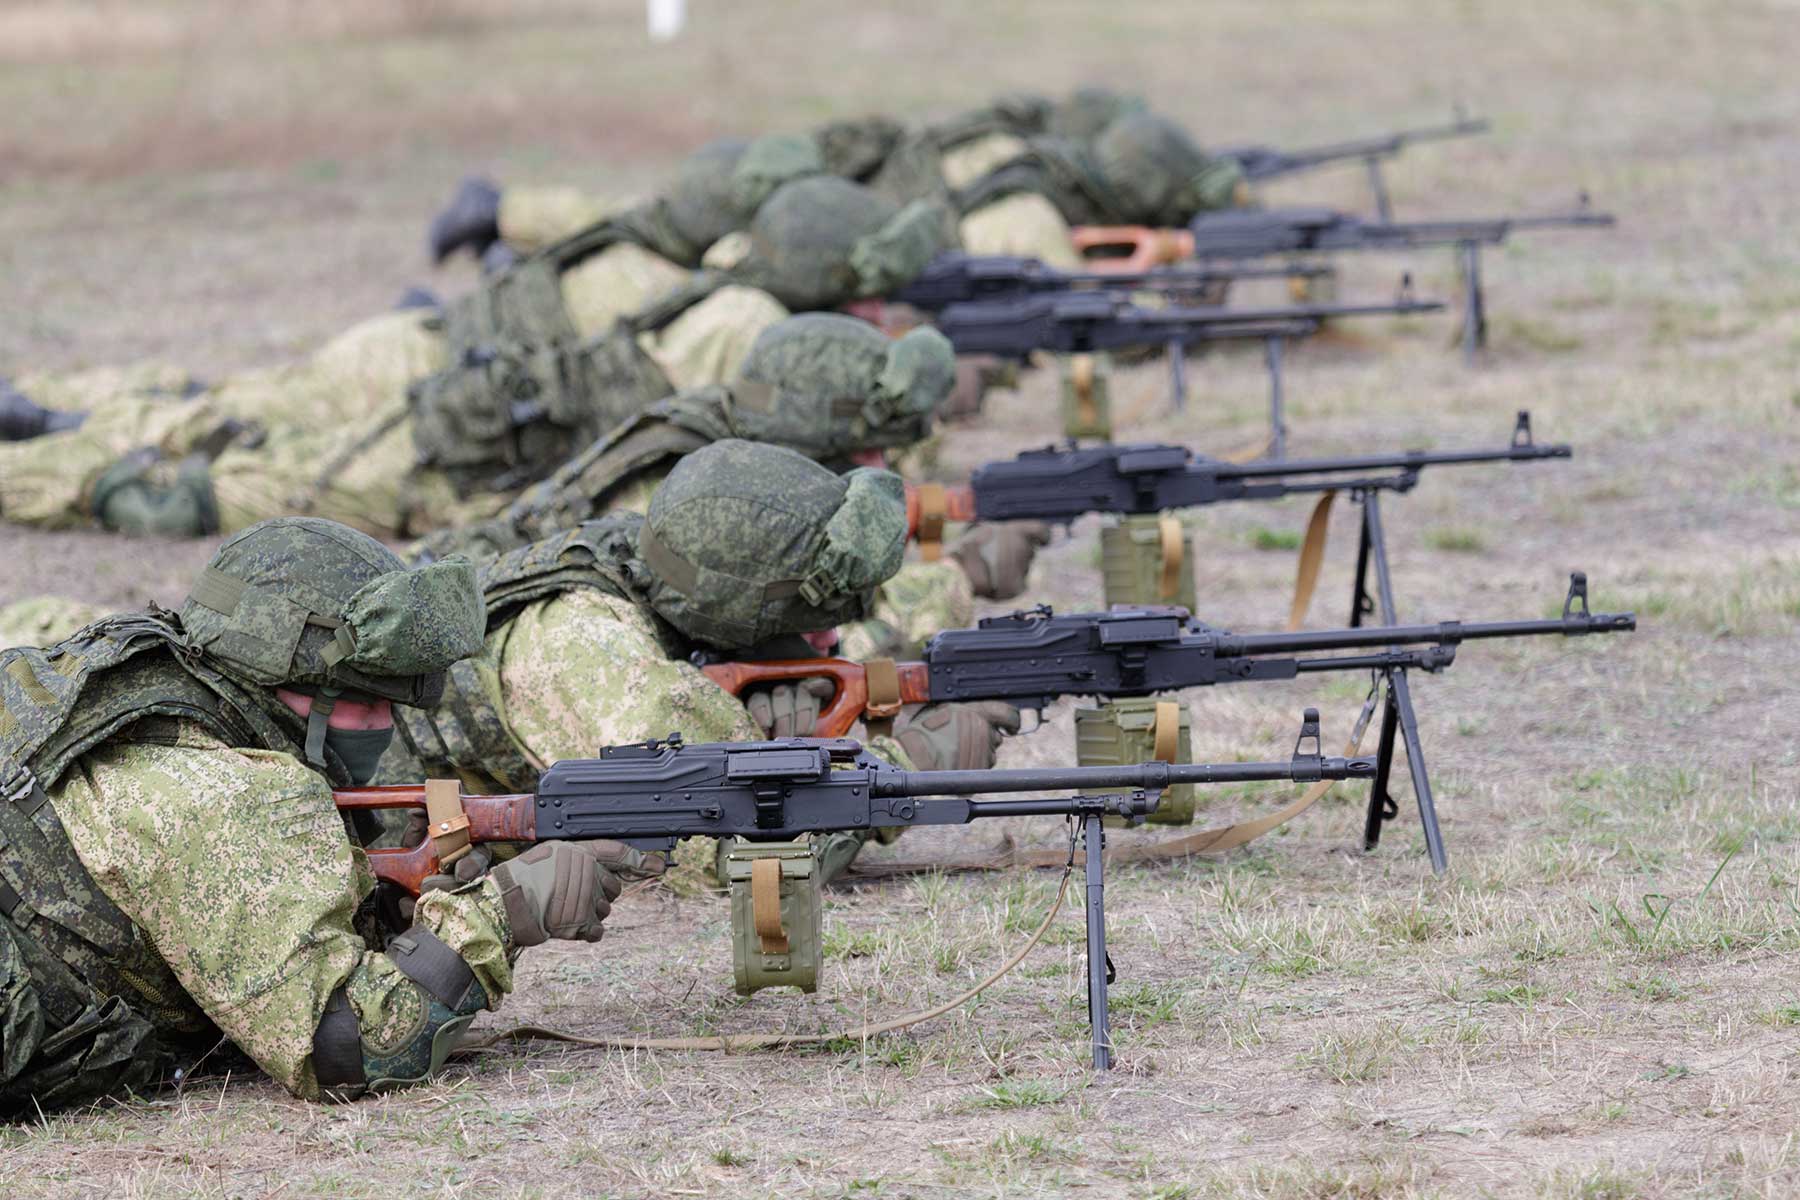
x=790 y=709
x=956 y=737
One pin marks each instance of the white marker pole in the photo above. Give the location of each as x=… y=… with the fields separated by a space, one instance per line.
x=666 y=18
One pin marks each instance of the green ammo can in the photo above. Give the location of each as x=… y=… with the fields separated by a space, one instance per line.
x=1135 y=730
x=775 y=903
x=1147 y=560
x=1086 y=396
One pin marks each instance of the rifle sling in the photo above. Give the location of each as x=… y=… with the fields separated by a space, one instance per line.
x=1312 y=556
x=772 y=1041
x=446 y=820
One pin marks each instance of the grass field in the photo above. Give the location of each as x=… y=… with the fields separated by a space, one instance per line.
x=1598 y=1001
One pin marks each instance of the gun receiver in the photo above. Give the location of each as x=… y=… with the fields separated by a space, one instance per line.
x=655 y=793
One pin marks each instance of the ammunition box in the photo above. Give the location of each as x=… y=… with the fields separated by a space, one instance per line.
x=1124 y=732
x=771 y=953
x=1147 y=560
x=1086 y=396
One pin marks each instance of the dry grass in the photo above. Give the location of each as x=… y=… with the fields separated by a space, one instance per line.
x=1598 y=1001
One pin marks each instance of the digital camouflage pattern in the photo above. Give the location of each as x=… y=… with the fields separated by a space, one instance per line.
x=1140 y=170
x=918 y=601
x=748 y=542
x=819 y=242
x=301 y=601
x=234 y=863
x=826 y=385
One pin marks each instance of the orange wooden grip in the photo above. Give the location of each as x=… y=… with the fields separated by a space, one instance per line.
x=491 y=819
x=1150 y=248
x=848 y=702
x=959 y=505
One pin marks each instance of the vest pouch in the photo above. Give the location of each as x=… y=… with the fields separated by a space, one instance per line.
x=1128 y=731
x=775 y=903
x=1147 y=561
x=1086 y=396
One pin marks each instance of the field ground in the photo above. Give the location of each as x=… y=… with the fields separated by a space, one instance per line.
x=1599 y=1001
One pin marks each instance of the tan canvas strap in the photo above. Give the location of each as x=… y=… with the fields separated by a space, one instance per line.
x=765 y=905
x=1165 y=735
x=446 y=822
x=1252 y=452
x=1312 y=556
x=1168 y=584
x=774 y=1041
x=934 y=509
x=881 y=678
x=1082 y=371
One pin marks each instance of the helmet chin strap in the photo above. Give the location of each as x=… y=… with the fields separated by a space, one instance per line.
x=324 y=700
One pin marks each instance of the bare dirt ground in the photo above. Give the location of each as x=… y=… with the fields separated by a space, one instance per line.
x=1598 y=1001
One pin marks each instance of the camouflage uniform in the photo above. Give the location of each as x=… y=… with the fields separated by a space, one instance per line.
x=173 y=867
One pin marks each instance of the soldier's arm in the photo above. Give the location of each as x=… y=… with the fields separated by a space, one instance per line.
x=919 y=601
x=582 y=670
x=237 y=866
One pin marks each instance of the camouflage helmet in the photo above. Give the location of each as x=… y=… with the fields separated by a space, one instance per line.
x=1088 y=111
x=305 y=603
x=830 y=385
x=747 y=542
x=1160 y=174
x=820 y=241
x=699 y=202
x=769 y=162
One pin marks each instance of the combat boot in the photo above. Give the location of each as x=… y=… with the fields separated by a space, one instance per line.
x=470 y=221
x=21 y=420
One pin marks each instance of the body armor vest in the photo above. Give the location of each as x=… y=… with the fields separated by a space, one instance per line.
x=466 y=734
x=93 y=973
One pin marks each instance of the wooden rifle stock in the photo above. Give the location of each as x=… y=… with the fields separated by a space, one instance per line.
x=1149 y=248
x=491 y=819
x=850 y=700
x=922 y=503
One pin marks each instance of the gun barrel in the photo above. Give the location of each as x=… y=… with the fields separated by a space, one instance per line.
x=1574 y=624
x=1151 y=776
x=1261 y=162
x=1405 y=460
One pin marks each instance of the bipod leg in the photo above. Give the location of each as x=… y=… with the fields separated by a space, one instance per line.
x=1381 y=804
x=1378 y=185
x=1100 y=971
x=1177 y=353
x=1401 y=693
x=1474 y=305
x=1277 y=400
x=1361 y=603
x=1400 y=705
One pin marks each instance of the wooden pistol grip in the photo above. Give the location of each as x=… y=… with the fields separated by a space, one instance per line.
x=848 y=702
x=1150 y=248
x=959 y=505
x=491 y=819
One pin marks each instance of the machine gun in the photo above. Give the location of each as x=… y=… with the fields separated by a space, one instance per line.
x=1083 y=322
x=1260 y=233
x=653 y=794
x=1033 y=657
x=958 y=278
x=1061 y=483
x=1268 y=162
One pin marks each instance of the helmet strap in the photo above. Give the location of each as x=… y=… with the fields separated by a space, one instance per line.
x=324 y=700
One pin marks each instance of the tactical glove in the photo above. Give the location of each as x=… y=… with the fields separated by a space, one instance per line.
x=956 y=737
x=561 y=889
x=997 y=558
x=790 y=709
